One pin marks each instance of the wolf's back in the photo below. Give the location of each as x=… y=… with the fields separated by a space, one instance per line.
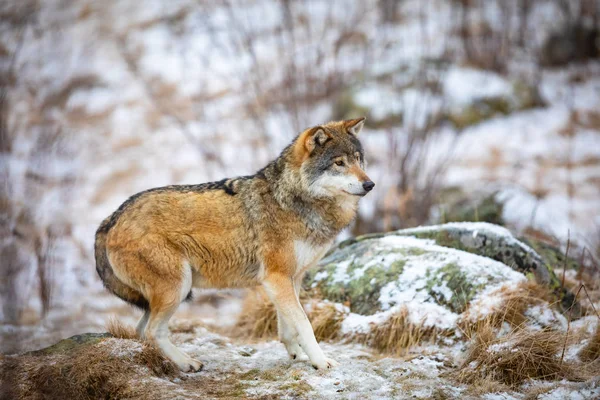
x=106 y=273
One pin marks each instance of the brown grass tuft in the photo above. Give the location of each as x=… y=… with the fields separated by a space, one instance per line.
x=119 y=330
x=108 y=370
x=591 y=351
x=512 y=310
x=514 y=358
x=396 y=335
x=326 y=321
x=258 y=318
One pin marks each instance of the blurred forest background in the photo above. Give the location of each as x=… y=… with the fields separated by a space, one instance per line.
x=482 y=110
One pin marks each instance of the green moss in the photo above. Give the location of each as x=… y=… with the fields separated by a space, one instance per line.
x=250 y=375
x=298 y=388
x=441 y=238
x=553 y=256
x=416 y=251
x=462 y=288
x=361 y=289
x=527 y=96
x=273 y=374
x=361 y=293
x=73 y=342
x=480 y=110
x=523 y=97
x=357 y=239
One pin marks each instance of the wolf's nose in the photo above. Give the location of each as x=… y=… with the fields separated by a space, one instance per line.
x=368 y=185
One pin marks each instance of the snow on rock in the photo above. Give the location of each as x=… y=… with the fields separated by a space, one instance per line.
x=379 y=276
x=497 y=243
x=488 y=240
x=436 y=277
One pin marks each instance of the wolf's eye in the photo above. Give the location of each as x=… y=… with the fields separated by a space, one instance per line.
x=339 y=163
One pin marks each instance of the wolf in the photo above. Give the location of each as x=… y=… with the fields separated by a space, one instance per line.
x=263 y=229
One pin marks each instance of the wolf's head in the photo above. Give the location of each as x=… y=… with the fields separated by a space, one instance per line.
x=331 y=160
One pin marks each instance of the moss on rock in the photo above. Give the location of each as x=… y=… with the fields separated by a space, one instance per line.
x=373 y=273
x=73 y=342
x=356 y=283
x=454 y=279
x=482 y=239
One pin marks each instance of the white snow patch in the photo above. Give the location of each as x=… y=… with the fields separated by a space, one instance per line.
x=464 y=85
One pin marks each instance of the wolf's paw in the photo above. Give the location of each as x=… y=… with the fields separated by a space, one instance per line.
x=327 y=363
x=190 y=365
x=294 y=350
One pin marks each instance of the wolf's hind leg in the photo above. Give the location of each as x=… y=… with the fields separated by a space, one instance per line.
x=165 y=296
x=141 y=326
x=162 y=308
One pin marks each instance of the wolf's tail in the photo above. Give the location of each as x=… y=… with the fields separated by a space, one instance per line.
x=106 y=273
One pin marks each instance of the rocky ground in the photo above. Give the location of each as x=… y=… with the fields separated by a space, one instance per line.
x=441 y=319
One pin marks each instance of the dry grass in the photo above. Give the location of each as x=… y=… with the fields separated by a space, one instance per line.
x=591 y=352
x=515 y=358
x=516 y=301
x=258 y=318
x=326 y=321
x=153 y=358
x=396 y=335
x=119 y=330
x=90 y=372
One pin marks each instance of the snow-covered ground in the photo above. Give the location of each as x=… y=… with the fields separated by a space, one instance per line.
x=264 y=368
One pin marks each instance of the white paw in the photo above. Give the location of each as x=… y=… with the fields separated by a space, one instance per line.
x=190 y=365
x=294 y=350
x=326 y=363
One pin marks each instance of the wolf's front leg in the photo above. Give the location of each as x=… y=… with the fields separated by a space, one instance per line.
x=280 y=289
x=289 y=337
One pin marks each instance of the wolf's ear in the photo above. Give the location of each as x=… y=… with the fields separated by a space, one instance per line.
x=354 y=126
x=315 y=137
x=307 y=142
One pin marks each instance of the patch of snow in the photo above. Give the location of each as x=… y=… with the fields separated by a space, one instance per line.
x=464 y=85
x=545 y=317
x=500 y=396
x=561 y=393
x=407 y=289
x=489 y=300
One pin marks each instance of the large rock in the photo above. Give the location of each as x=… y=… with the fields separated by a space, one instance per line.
x=493 y=242
x=377 y=276
x=434 y=274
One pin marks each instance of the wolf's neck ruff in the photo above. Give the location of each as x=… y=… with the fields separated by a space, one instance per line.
x=263 y=229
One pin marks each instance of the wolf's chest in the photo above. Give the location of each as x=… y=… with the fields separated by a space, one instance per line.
x=307 y=254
